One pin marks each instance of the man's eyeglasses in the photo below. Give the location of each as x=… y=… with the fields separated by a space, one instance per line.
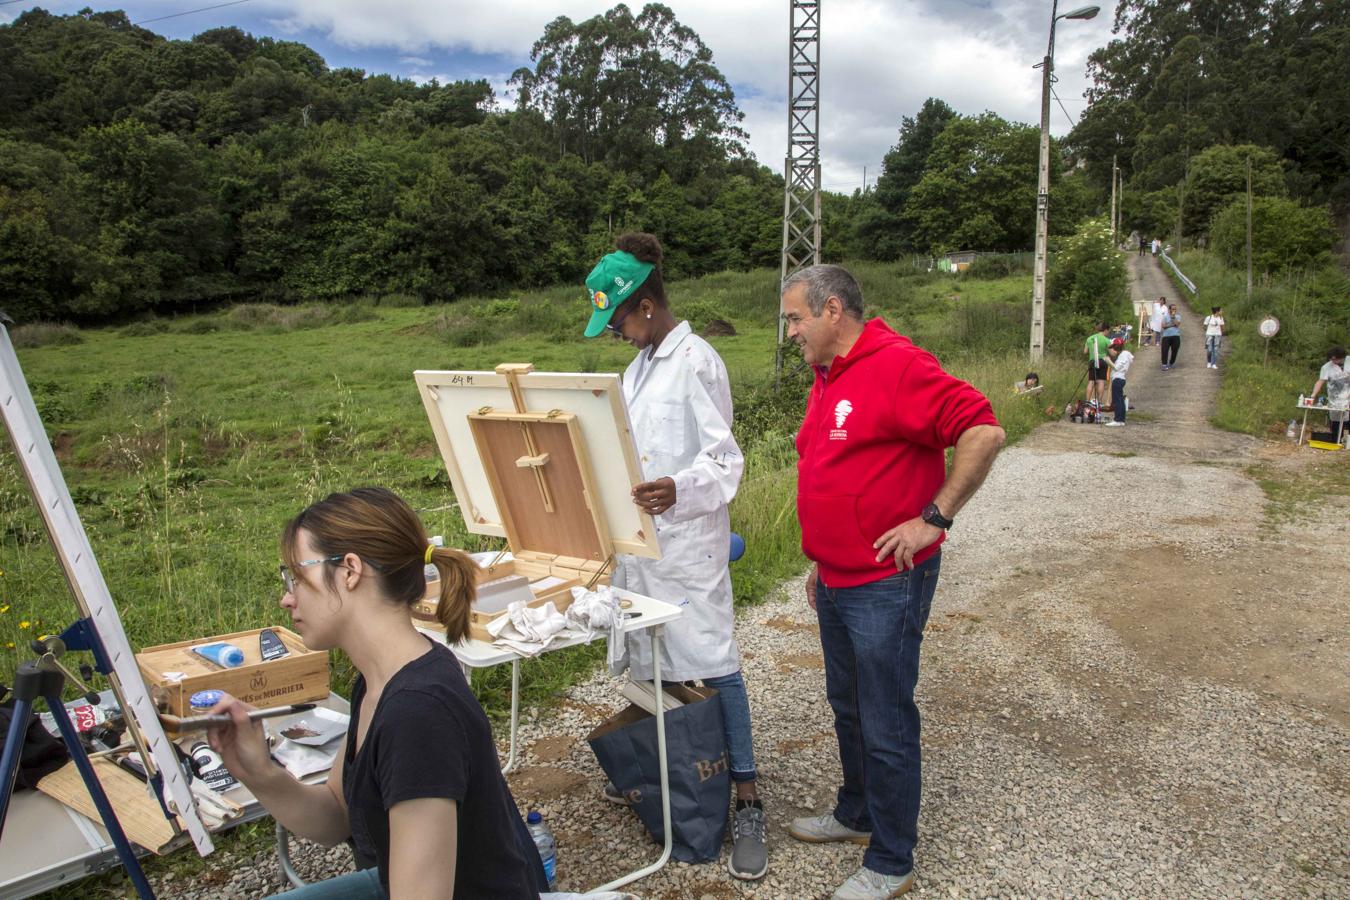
x=288 y=577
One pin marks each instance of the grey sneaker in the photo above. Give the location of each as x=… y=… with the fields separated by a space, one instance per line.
x=825 y=829
x=865 y=884
x=614 y=795
x=749 y=854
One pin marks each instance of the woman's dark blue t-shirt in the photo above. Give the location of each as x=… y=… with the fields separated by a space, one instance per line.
x=427 y=738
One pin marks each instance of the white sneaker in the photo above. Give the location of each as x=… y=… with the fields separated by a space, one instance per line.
x=824 y=829
x=865 y=884
x=1114 y=424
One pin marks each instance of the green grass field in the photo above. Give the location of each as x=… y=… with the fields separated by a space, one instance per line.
x=1259 y=391
x=188 y=442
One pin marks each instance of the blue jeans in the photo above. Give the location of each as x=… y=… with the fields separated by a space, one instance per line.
x=1212 y=342
x=736 y=724
x=1118 y=399
x=361 y=885
x=871 y=636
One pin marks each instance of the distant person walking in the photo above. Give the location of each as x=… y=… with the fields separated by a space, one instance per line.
x=1214 y=327
x=1155 y=319
x=1143 y=245
x=1171 y=337
x=1121 y=360
x=1157 y=245
x=1337 y=381
x=1095 y=348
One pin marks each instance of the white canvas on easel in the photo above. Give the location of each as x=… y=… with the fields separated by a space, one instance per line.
x=76 y=556
x=452 y=399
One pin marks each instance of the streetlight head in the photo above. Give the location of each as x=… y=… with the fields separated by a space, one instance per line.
x=1084 y=12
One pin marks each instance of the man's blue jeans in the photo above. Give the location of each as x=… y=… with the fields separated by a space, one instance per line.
x=871 y=636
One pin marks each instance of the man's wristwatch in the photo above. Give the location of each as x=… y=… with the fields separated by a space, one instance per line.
x=933 y=516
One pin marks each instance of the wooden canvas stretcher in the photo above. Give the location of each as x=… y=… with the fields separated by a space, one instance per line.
x=521 y=449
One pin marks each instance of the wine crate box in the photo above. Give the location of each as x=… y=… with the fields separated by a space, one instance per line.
x=299 y=677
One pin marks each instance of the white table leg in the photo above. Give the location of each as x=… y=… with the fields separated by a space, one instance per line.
x=515 y=715
x=617 y=883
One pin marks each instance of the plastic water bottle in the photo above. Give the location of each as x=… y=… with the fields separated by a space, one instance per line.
x=433 y=574
x=1292 y=431
x=544 y=841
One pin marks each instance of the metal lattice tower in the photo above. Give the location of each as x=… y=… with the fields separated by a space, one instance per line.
x=801 y=170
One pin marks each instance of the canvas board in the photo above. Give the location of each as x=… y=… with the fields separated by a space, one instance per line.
x=76 y=556
x=595 y=400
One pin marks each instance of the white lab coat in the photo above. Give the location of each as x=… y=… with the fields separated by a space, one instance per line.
x=679 y=404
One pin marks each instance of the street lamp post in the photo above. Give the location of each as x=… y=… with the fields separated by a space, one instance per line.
x=1043 y=184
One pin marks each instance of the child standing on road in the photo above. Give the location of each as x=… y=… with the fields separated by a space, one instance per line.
x=1214 y=325
x=1121 y=360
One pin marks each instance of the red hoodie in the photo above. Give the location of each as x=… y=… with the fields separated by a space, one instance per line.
x=871 y=450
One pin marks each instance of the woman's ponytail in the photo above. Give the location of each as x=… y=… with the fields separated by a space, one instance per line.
x=459 y=576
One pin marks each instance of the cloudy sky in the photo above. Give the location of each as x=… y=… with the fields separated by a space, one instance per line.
x=880 y=59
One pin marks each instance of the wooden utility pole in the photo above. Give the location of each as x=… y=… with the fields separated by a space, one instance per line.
x=1249 y=232
x=1115 y=228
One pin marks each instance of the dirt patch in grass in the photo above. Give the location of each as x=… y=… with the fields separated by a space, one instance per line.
x=553 y=749
x=539 y=784
x=783 y=623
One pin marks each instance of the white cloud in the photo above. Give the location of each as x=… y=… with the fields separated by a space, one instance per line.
x=879 y=60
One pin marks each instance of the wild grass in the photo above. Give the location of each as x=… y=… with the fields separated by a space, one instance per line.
x=45 y=334
x=187 y=447
x=1259 y=392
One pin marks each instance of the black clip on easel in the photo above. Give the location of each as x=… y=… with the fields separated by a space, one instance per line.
x=45 y=678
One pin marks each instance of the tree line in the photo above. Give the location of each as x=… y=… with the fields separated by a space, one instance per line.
x=147 y=174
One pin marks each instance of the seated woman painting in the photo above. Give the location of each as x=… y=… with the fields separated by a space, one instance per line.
x=418 y=789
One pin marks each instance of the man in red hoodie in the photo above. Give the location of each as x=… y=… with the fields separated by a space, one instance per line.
x=875 y=500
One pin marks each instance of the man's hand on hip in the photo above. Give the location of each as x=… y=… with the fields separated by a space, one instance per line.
x=905 y=540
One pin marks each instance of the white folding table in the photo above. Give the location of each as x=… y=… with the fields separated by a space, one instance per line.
x=1321 y=407
x=647 y=615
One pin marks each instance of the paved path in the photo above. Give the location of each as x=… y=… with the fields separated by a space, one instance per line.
x=1174 y=406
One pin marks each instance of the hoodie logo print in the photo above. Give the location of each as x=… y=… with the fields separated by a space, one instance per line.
x=841 y=411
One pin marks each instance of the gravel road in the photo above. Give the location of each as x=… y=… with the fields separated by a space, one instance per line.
x=1133 y=684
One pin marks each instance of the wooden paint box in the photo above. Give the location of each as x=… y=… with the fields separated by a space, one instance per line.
x=299 y=677
x=531 y=477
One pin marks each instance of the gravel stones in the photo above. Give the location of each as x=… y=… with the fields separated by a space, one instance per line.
x=1067 y=751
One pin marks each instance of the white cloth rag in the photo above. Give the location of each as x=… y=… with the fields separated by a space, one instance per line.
x=593 y=611
x=528 y=631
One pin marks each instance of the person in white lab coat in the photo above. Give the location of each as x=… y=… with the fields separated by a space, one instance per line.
x=679 y=404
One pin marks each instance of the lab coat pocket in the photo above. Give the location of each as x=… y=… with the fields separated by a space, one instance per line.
x=665 y=429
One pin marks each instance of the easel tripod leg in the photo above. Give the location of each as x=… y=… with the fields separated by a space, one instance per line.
x=9 y=764
x=105 y=810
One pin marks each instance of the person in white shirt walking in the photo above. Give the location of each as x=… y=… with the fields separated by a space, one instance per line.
x=1155 y=319
x=1214 y=326
x=1121 y=360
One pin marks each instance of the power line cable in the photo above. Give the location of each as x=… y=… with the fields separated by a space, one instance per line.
x=190 y=12
x=1072 y=123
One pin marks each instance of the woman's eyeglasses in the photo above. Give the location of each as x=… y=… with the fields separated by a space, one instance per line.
x=288 y=577
x=616 y=323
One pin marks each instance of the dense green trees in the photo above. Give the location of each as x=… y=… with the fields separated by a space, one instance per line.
x=1187 y=75
x=142 y=173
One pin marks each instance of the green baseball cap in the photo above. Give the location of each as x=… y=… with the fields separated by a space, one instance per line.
x=611 y=282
